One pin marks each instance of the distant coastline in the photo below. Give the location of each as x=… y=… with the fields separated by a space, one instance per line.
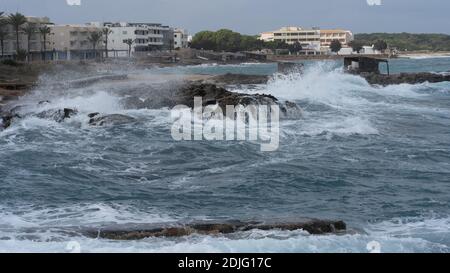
x=424 y=54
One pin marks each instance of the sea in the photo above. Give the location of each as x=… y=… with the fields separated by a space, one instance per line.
x=375 y=157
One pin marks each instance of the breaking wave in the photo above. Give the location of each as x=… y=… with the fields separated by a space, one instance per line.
x=375 y=157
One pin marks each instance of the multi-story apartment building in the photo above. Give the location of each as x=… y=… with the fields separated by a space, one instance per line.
x=312 y=40
x=36 y=41
x=180 y=37
x=72 y=41
x=145 y=37
x=308 y=38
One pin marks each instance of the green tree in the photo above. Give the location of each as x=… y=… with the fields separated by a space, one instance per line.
x=357 y=46
x=249 y=43
x=106 y=32
x=29 y=30
x=408 y=41
x=95 y=39
x=44 y=31
x=295 y=47
x=380 y=45
x=335 y=46
x=129 y=42
x=17 y=20
x=204 y=40
x=227 y=40
x=274 y=45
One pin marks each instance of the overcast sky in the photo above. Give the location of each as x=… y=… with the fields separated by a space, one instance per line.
x=251 y=16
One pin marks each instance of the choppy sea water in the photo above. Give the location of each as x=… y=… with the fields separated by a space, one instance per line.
x=376 y=157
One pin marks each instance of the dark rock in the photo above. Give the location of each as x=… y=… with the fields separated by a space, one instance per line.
x=223 y=97
x=8 y=119
x=212 y=94
x=43 y=102
x=114 y=119
x=237 y=79
x=408 y=78
x=292 y=110
x=57 y=115
x=68 y=113
x=91 y=115
x=137 y=232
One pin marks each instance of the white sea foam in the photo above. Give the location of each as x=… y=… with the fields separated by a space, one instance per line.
x=413 y=235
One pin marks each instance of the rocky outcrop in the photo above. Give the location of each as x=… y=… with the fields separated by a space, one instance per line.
x=237 y=79
x=408 y=78
x=58 y=115
x=109 y=120
x=138 y=232
x=7 y=120
x=212 y=94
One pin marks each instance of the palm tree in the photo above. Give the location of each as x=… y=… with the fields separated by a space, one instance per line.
x=44 y=31
x=29 y=30
x=129 y=42
x=17 y=20
x=106 y=32
x=95 y=38
x=3 y=32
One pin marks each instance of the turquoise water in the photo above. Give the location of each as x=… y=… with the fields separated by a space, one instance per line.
x=377 y=158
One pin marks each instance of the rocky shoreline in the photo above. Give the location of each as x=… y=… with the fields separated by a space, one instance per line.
x=142 y=231
x=404 y=78
x=211 y=94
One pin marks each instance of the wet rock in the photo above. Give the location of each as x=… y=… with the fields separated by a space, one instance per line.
x=57 y=115
x=7 y=120
x=212 y=94
x=222 y=97
x=114 y=119
x=237 y=79
x=43 y=102
x=91 y=115
x=408 y=78
x=137 y=232
x=292 y=110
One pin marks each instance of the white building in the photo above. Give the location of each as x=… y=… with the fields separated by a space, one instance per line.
x=180 y=38
x=369 y=50
x=145 y=37
x=267 y=36
x=313 y=40
x=308 y=38
x=69 y=42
